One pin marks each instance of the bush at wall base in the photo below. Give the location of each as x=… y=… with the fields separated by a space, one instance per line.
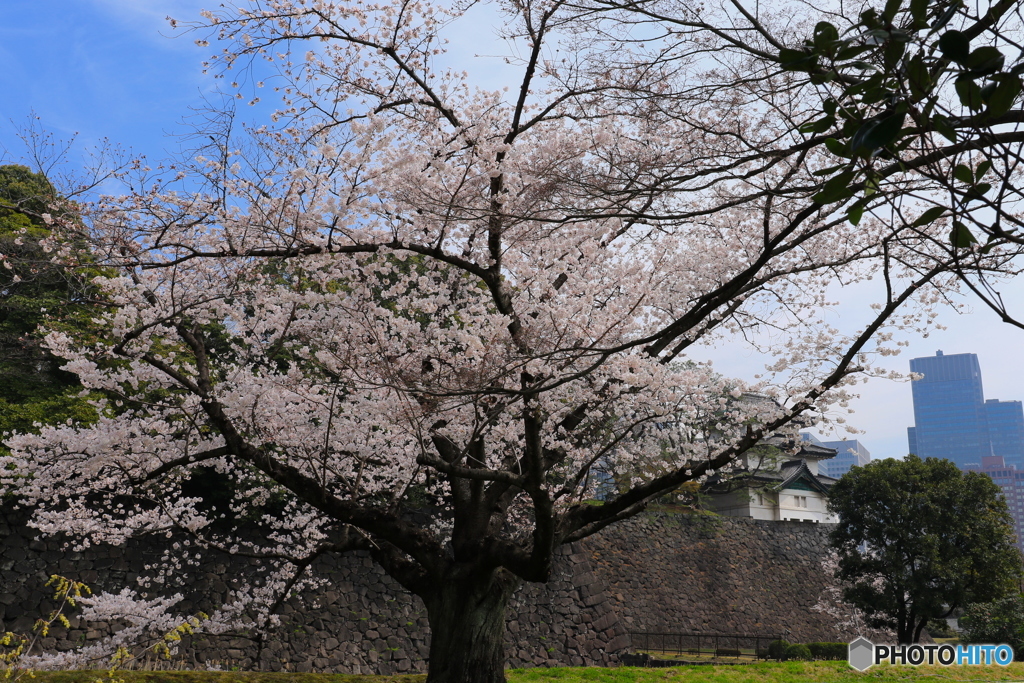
x=828 y=651
x=777 y=650
x=798 y=652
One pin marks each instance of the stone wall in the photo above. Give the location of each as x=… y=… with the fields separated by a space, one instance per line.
x=361 y=622
x=701 y=574
x=657 y=572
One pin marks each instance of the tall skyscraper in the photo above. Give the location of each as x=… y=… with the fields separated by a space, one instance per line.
x=1010 y=481
x=849 y=453
x=1006 y=430
x=954 y=421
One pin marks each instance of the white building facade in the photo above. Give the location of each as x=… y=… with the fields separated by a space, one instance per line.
x=775 y=487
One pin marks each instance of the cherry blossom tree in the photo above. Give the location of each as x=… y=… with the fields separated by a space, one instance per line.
x=425 y=317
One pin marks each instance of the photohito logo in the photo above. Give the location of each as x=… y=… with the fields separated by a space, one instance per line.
x=864 y=654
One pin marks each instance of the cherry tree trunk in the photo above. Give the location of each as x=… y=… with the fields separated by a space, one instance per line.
x=467 y=628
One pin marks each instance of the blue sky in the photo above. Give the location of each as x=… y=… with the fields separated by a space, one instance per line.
x=99 y=68
x=111 y=69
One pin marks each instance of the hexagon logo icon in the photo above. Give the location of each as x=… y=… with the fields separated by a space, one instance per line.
x=861 y=654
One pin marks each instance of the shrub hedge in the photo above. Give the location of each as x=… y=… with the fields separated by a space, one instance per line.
x=831 y=651
x=798 y=652
x=777 y=649
x=782 y=650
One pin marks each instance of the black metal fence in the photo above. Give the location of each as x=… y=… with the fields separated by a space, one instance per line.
x=724 y=645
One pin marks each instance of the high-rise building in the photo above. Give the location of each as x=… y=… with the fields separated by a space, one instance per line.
x=954 y=421
x=1010 y=481
x=850 y=453
x=949 y=413
x=1006 y=430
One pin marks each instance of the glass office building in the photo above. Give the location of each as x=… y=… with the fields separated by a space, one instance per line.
x=1006 y=430
x=1010 y=481
x=849 y=453
x=954 y=421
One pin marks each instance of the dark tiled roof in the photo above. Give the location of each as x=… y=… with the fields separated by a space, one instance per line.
x=791 y=472
x=813 y=450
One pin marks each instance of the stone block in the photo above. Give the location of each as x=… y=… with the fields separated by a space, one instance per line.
x=618 y=643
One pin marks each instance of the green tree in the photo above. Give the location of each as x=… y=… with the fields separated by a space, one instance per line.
x=906 y=83
x=33 y=290
x=999 y=621
x=937 y=539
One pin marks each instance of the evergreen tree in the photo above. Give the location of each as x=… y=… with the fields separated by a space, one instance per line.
x=33 y=290
x=936 y=538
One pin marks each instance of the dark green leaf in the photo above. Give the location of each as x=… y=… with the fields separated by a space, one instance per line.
x=821 y=78
x=830 y=170
x=864 y=66
x=985 y=60
x=851 y=52
x=879 y=35
x=894 y=51
x=789 y=55
x=824 y=35
x=836 y=195
x=970 y=93
x=797 y=60
x=963 y=173
x=855 y=213
x=891 y=8
x=823 y=124
x=857 y=141
x=944 y=18
x=918 y=77
x=879 y=133
x=836 y=189
x=960 y=237
x=838 y=148
x=919 y=11
x=943 y=127
x=978 y=191
x=955 y=46
x=1004 y=95
x=877 y=92
x=983 y=168
x=930 y=216
x=818 y=125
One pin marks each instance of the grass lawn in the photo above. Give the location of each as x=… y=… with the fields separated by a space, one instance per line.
x=772 y=672
x=765 y=672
